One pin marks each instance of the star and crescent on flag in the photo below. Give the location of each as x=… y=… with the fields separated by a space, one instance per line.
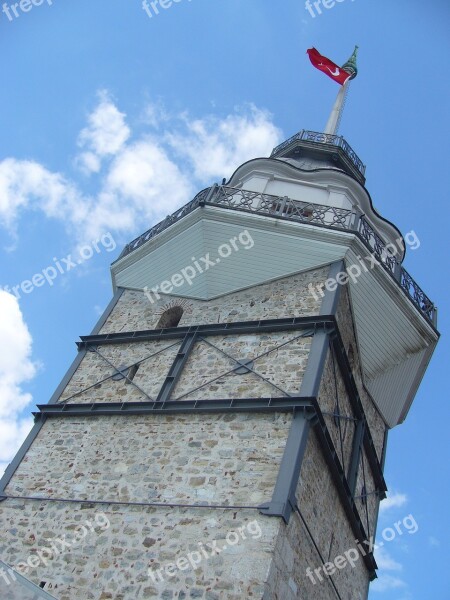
x=339 y=74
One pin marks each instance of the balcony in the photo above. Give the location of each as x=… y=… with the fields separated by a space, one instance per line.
x=342 y=219
x=323 y=145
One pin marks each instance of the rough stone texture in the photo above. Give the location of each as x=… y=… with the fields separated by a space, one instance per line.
x=191 y=459
x=282 y=362
x=94 y=369
x=121 y=561
x=222 y=459
x=282 y=298
x=295 y=552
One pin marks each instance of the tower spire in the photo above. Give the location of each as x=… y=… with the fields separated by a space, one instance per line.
x=336 y=113
x=350 y=66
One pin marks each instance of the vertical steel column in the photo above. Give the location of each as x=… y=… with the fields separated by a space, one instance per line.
x=177 y=367
x=283 y=498
x=356 y=455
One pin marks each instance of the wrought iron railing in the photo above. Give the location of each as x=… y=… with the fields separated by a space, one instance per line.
x=377 y=246
x=324 y=138
x=304 y=212
x=418 y=296
x=168 y=221
x=282 y=206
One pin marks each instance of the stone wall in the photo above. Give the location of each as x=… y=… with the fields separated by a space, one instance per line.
x=227 y=460
x=333 y=394
x=127 y=556
x=282 y=298
x=327 y=523
x=223 y=459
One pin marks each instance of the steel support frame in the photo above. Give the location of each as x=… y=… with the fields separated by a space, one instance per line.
x=284 y=499
x=306 y=412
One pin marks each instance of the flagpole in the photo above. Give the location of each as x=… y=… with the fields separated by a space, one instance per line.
x=334 y=120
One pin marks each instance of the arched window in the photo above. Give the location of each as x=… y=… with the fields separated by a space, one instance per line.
x=170 y=317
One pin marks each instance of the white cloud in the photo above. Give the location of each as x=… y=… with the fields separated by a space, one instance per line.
x=142 y=186
x=28 y=185
x=16 y=368
x=217 y=147
x=385 y=561
x=394 y=500
x=105 y=134
x=141 y=177
x=385 y=583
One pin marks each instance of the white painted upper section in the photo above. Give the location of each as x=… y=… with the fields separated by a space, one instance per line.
x=330 y=187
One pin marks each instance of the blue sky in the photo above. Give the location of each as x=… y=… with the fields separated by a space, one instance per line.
x=111 y=119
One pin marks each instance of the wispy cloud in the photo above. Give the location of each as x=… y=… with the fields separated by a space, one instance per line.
x=385 y=561
x=386 y=583
x=105 y=135
x=16 y=369
x=216 y=147
x=394 y=500
x=141 y=177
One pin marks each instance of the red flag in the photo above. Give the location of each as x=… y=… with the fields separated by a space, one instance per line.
x=328 y=67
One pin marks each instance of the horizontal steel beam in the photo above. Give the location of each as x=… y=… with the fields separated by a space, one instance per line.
x=238 y=327
x=176 y=407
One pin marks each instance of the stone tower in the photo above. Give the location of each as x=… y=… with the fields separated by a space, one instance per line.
x=222 y=431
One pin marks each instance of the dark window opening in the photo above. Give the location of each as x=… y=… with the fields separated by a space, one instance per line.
x=131 y=373
x=126 y=373
x=170 y=318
